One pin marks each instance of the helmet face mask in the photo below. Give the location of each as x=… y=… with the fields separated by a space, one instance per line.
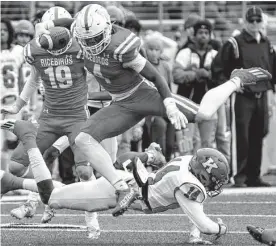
x=92 y=29
x=210 y=167
x=62 y=50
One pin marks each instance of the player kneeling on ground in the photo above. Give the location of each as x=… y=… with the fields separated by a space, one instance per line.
x=184 y=182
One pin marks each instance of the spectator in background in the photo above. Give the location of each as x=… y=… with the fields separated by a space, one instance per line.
x=192 y=72
x=189 y=29
x=160 y=130
x=250 y=118
x=24 y=32
x=116 y=15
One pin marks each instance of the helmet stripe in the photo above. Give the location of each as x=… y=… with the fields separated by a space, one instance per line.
x=56 y=14
x=86 y=18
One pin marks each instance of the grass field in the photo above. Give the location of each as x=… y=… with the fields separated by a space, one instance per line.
x=236 y=207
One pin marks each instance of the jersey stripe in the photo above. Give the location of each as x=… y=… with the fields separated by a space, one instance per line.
x=122 y=45
x=127 y=48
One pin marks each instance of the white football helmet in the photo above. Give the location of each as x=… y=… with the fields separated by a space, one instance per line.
x=55 y=13
x=93 y=28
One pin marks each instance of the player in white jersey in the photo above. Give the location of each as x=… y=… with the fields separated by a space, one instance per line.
x=184 y=182
x=11 y=59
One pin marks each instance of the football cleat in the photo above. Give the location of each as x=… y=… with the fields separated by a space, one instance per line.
x=48 y=214
x=124 y=200
x=21 y=128
x=57 y=42
x=251 y=76
x=26 y=210
x=262 y=235
x=8 y=125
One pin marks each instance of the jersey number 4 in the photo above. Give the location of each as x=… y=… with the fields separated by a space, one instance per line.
x=60 y=77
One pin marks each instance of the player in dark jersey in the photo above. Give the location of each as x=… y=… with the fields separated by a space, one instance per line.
x=111 y=54
x=64 y=111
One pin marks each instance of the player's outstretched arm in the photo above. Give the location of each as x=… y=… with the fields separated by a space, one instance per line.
x=240 y=78
x=194 y=210
x=28 y=90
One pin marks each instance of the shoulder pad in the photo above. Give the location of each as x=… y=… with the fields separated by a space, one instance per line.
x=127 y=47
x=193 y=192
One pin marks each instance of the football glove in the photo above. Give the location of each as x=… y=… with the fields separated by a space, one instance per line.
x=50 y=155
x=155 y=157
x=250 y=76
x=177 y=118
x=222 y=228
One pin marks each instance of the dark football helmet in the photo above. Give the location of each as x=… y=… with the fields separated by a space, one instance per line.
x=211 y=168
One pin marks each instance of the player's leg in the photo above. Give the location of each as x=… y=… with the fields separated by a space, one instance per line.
x=20 y=167
x=10 y=182
x=96 y=195
x=111 y=146
x=107 y=122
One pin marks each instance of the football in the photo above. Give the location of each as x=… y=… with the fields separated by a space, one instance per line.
x=56 y=40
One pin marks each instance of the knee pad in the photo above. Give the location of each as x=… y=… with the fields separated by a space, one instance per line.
x=83 y=138
x=84 y=171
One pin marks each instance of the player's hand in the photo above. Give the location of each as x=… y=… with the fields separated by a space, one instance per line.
x=177 y=118
x=43 y=28
x=12 y=109
x=222 y=228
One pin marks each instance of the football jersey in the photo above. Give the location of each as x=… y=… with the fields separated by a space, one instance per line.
x=107 y=67
x=174 y=176
x=10 y=63
x=63 y=76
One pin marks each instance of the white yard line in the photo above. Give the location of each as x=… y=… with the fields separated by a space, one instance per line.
x=160 y=215
x=76 y=228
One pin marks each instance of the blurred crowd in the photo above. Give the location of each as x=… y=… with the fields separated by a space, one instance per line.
x=200 y=56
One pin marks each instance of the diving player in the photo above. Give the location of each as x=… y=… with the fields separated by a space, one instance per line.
x=111 y=54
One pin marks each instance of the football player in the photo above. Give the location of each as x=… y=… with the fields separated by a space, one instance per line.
x=64 y=110
x=11 y=59
x=111 y=54
x=266 y=236
x=184 y=182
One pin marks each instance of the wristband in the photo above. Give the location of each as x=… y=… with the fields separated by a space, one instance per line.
x=20 y=103
x=236 y=81
x=168 y=101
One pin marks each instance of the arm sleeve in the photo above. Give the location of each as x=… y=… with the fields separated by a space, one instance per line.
x=30 y=86
x=137 y=64
x=61 y=144
x=195 y=212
